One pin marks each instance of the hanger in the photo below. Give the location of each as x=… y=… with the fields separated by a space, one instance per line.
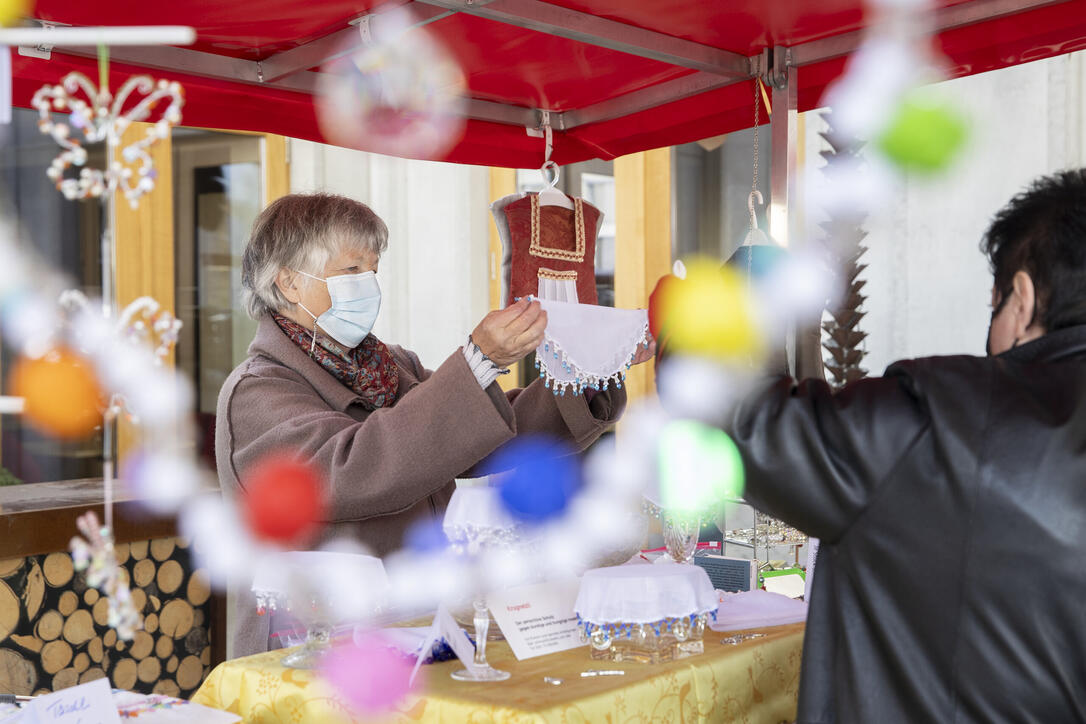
x=550 y=195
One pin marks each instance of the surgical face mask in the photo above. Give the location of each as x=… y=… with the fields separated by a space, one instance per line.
x=356 y=299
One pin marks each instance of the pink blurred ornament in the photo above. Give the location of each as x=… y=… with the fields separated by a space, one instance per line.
x=369 y=673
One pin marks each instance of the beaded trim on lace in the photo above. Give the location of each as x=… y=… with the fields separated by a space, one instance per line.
x=537 y=249
x=554 y=355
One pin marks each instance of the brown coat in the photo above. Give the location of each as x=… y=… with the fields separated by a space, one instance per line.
x=388 y=467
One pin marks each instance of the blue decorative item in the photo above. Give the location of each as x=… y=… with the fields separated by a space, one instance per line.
x=760 y=259
x=425 y=536
x=542 y=477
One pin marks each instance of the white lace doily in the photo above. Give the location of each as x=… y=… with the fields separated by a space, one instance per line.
x=586 y=345
x=644 y=594
x=474 y=511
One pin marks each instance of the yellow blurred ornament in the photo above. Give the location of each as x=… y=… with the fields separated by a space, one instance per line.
x=62 y=394
x=11 y=11
x=710 y=314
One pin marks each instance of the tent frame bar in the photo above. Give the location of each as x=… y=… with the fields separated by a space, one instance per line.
x=713 y=68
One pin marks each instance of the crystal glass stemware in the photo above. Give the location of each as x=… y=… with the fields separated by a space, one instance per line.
x=480 y=670
x=681 y=536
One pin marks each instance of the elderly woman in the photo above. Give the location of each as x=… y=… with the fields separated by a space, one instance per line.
x=389 y=436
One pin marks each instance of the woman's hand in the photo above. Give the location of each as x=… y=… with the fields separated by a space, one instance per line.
x=506 y=335
x=644 y=354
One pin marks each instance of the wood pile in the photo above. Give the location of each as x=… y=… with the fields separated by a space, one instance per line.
x=54 y=630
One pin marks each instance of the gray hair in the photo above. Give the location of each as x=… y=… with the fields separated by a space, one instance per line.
x=302 y=232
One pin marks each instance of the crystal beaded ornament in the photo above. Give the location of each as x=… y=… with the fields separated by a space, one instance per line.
x=101 y=116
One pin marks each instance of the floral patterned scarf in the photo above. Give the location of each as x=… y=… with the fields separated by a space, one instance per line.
x=368 y=369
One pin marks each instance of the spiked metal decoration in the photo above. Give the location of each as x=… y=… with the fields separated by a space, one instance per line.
x=842 y=336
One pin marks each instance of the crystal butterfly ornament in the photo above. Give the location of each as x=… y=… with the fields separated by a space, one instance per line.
x=102 y=117
x=94 y=554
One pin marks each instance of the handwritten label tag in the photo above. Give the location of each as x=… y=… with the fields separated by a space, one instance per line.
x=90 y=703
x=538 y=619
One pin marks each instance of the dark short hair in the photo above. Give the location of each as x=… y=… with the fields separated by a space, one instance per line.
x=1042 y=231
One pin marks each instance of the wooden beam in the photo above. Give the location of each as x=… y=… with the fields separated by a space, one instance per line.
x=642 y=241
x=276 y=167
x=144 y=240
x=503 y=181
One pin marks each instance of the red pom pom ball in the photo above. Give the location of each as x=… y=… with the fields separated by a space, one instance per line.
x=283 y=500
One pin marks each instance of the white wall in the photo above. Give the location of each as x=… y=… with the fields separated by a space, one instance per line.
x=928 y=284
x=434 y=276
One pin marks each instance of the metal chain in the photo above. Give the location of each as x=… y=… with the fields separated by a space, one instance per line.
x=753 y=183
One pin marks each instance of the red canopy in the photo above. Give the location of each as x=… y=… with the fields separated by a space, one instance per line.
x=618 y=76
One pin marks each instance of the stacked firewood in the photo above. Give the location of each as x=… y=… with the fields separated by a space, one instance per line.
x=54 y=630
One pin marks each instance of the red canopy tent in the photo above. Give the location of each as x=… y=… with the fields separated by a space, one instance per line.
x=617 y=76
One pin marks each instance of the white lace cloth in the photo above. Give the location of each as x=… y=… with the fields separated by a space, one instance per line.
x=474 y=509
x=756 y=609
x=586 y=345
x=644 y=594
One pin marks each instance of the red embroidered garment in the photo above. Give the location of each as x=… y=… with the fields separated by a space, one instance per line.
x=550 y=243
x=368 y=369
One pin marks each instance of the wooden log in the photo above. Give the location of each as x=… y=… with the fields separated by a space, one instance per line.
x=125 y=673
x=176 y=618
x=121 y=551
x=58 y=569
x=49 y=625
x=162 y=548
x=196 y=640
x=198 y=590
x=68 y=603
x=171 y=664
x=156 y=603
x=205 y=656
x=110 y=638
x=164 y=647
x=30 y=643
x=11 y=566
x=149 y=670
x=138 y=549
x=182 y=542
x=91 y=675
x=167 y=687
x=79 y=628
x=91 y=596
x=96 y=649
x=121 y=645
x=143 y=572
x=65 y=678
x=170 y=575
x=142 y=645
x=100 y=611
x=9 y=610
x=190 y=673
x=81 y=662
x=42 y=692
x=34 y=592
x=150 y=622
x=55 y=655
x=139 y=599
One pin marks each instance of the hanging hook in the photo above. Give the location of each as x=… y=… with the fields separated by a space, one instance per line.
x=750 y=207
x=549 y=179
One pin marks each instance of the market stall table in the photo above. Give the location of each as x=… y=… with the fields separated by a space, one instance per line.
x=753 y=681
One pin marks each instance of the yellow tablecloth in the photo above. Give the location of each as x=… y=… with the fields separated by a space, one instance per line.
x=755 y=681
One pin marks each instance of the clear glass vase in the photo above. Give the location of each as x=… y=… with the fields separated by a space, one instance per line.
x=480 y=670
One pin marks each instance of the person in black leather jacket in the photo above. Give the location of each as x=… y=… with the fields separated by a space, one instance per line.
x=950 y=499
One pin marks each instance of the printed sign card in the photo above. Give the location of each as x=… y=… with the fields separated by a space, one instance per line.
x=90 y=703
x=538 y=619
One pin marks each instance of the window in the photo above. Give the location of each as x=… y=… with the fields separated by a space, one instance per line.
x=65 y=236
x=217 y=196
